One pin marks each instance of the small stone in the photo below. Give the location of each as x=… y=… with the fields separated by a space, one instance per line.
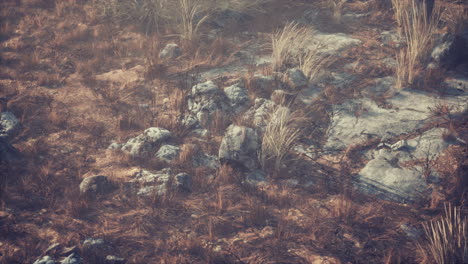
x=183 y=181
x=114 y=260
x=93 y=185
x=171 y=51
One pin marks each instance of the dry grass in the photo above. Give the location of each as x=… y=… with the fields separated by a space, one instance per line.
x=291 y=47
x=337 y=8
x=447 y=237
x=418 y=29
x=278 y=138
x=283 y=53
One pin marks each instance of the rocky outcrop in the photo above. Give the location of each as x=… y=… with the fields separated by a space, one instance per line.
x=146 y=143
x=239 y=148
x=360 y=120
x=387 y=176
x=151 y=183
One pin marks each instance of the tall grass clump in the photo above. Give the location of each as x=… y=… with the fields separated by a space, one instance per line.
x=285 y=41
x=447 y=238
x=294 y=46
x=278 y=138
x=417 y=27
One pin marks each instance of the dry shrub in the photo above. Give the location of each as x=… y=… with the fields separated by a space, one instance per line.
x=418 y=28
x=447 y=237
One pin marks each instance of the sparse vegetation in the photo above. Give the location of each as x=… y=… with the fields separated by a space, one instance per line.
x=447 y=237
x=87 y=93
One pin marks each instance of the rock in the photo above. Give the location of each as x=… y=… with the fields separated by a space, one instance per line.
x=450 y=51
x=183 y=182
x=9 y=124
x=168 y=152
x=115 y=145
x=204 y=100
x=206 y=88
x=260 y=112
x=386 y=179
x=239 y=147
x=72 y=259
x=296 y=79
x=160 y=177
x=255 y=178
x=332 y=44
x=360 y=120
x=171 y=51
x=146 y=143
x=386 y=176
x=391 y=38
x=114 y=260
x=158 y=182
x=95 y=249
x=94 y=185
x=94 y=246
x=204 y=160
x=45 y=260
x=456 y=85
x=238 y=97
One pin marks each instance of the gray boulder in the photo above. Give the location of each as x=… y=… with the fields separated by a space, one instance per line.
x=450 y=51
x=239 y=148
x=204 y=100
x=170 y=51
x=45 y=260
x=168 y=152
x=9 y=124
x=183 y=182
x=296 y=79
x=260 y=111
x=93 y=185
x=238 y=97
x=146 y=143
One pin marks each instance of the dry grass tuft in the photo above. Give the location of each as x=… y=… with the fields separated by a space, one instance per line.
x=447 y=237
x=418 y=28
x=278 y=138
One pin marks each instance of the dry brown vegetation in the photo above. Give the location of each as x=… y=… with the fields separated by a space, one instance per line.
x=54 y=57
